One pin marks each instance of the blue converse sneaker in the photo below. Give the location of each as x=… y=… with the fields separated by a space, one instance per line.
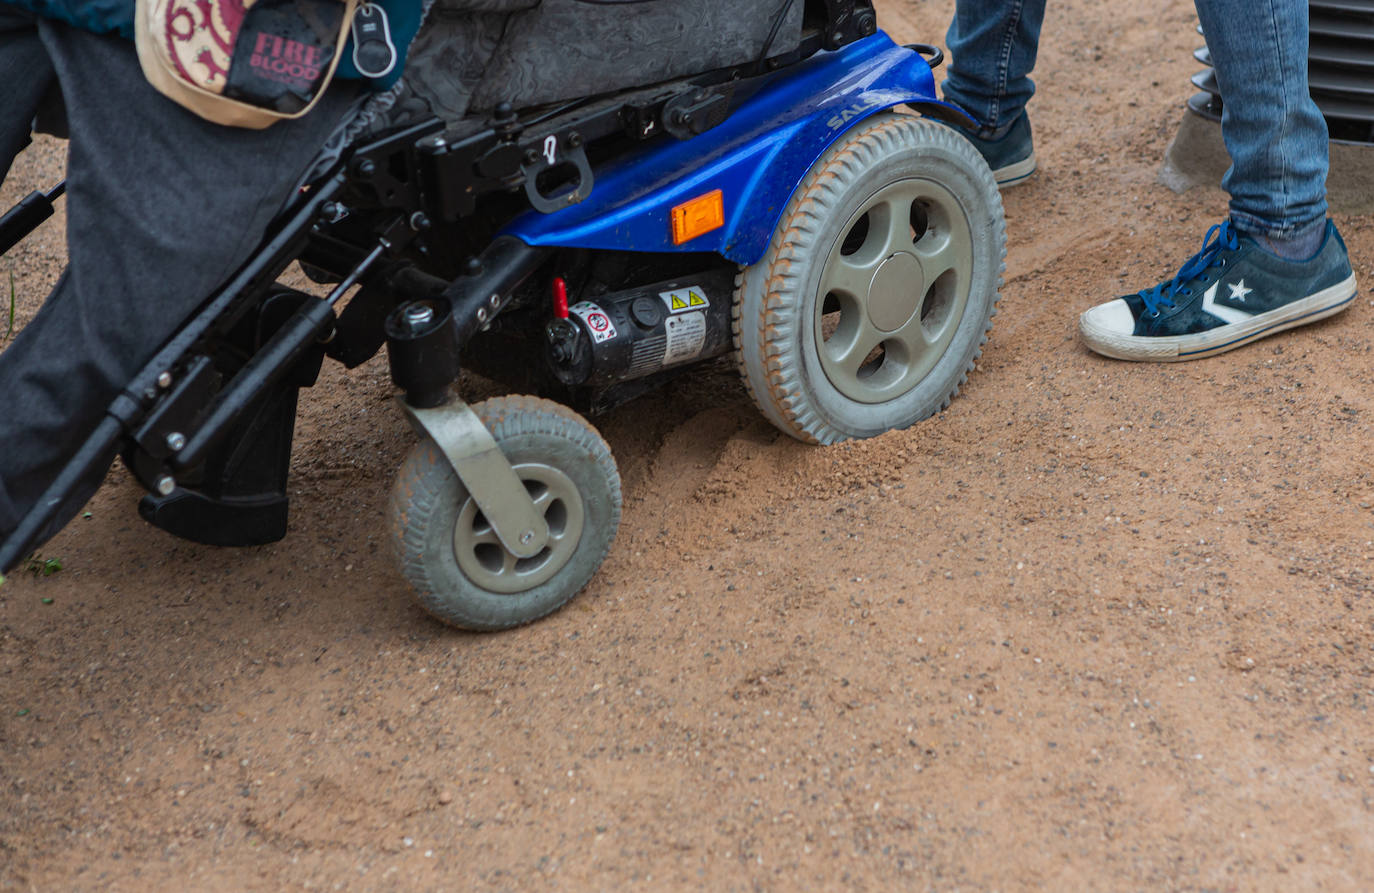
x=1010 y=154
x=1230 y=293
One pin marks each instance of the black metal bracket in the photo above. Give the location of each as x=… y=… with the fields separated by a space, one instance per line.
x=380 y=175
x=562 y=160
x=163 y=431
x=696 y=111
x=847 y=21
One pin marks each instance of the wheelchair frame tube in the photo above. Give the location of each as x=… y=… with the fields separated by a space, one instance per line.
x=477 y=299
x=26 y=216
x=97 y=449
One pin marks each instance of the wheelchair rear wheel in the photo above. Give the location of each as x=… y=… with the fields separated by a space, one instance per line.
x=448 y=551
x=877 y=291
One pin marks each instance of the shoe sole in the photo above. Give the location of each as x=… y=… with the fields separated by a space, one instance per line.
x=1176 y=348
x=1015 y=173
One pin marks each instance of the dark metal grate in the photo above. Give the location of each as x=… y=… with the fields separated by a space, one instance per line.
x=1340 y=70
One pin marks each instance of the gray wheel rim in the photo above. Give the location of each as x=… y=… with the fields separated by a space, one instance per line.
x=487 y=563
x=893 y=290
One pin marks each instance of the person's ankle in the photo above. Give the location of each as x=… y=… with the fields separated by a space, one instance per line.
x=987 y=134
x=1002 y=130
x=1299 y=245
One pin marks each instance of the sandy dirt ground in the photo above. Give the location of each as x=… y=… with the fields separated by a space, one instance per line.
x=1097 y=626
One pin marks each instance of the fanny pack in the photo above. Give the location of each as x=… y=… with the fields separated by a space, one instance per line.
x=243 y=63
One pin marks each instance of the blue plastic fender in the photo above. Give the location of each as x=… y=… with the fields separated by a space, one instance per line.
x=757 y=157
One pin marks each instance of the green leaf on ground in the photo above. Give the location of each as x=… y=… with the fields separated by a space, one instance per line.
x=43 y=567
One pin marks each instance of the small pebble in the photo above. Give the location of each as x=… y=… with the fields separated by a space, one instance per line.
x=446 y=797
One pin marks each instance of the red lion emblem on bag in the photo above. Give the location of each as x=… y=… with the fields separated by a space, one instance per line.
x=200 y=36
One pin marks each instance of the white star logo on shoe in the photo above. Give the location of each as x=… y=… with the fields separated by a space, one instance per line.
x=1239 y=291
x=1221 y=311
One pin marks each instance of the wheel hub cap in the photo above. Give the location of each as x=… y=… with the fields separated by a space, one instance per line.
x=489 y=564
x=895 y=292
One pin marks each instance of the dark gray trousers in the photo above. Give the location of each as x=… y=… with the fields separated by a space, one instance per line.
x=161 y=208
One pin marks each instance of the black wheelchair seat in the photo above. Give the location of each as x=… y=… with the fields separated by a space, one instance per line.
x=474 y=55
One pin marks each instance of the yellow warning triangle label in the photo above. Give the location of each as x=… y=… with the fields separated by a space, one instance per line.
x=679 y=304
x=695 y=300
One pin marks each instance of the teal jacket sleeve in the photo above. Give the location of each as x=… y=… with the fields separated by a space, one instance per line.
x=96 y=16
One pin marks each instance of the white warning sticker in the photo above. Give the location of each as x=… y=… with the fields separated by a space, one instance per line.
x=598 y=321
x=686 y=333
x=684 y=300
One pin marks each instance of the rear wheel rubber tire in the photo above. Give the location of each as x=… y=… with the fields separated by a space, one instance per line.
x=847 y=329
x=460 y=572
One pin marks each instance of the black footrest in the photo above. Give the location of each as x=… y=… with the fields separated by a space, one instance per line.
x=217 y=522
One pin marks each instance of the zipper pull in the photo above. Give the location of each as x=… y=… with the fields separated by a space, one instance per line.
x=374 y=54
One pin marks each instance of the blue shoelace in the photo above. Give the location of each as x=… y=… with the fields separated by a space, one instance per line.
x=1219 y=238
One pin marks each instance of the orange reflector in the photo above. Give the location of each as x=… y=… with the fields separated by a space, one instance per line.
x=698 y=216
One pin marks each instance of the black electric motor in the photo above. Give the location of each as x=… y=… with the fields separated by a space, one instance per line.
x=630 y=334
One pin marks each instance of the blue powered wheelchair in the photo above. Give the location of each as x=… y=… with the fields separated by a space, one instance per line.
x=578 y=201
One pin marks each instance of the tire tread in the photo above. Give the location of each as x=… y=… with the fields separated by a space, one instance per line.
x=783 y=399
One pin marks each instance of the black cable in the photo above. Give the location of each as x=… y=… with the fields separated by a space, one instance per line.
x=773 y=33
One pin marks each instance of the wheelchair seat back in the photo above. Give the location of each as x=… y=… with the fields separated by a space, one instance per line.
x=468 y=58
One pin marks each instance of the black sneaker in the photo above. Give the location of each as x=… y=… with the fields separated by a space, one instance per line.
x=1011 y=155
x=1230 y=293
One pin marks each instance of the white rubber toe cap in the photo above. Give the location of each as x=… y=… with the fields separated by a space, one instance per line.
x=1111 y=318
x=1107 y=329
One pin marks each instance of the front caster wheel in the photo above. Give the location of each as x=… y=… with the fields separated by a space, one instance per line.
x=460 y=571
x=875 y=294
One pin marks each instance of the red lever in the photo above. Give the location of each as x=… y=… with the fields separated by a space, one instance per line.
x=560 y=297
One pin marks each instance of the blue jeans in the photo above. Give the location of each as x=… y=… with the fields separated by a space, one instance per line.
x=1273 y=130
